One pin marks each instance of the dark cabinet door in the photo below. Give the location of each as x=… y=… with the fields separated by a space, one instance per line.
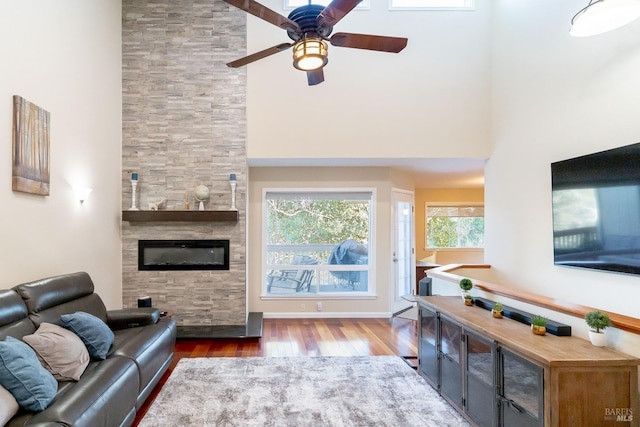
x=450 y=357
x=428 y=341
x=480 y=402
x=520 y=392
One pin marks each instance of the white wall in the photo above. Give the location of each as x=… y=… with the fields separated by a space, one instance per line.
x=554 y=97
x=430 y=100
x=64 y=56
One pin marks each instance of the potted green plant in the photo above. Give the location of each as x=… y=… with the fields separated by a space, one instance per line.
x=496 y=311
x=468 y=299
x=466 y=285
x=538 y=324
x=598 y=322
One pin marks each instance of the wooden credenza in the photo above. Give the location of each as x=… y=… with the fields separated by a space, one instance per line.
x=497 y=373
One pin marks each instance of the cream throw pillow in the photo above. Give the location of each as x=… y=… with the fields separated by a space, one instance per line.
x=8 y=406
x=61 y=351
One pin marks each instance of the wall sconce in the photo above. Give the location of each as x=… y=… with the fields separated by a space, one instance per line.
x=600 y=16
x=310 y=54
x=82 y=193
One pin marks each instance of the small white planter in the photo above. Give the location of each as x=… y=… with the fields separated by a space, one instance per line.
x=599 y=339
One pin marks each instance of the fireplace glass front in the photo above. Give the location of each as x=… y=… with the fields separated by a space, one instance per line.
x=183 y=255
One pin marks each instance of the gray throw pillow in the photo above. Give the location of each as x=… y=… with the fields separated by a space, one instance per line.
x=61 y=351
x=94 y=333
x=22 y=374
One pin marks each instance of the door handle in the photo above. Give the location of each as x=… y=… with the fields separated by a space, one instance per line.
x=515 y=405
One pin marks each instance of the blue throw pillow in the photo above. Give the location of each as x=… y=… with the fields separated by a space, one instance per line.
x=94 y=333
x=22 y=374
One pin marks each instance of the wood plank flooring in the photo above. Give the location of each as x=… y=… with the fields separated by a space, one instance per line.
x=305 y=338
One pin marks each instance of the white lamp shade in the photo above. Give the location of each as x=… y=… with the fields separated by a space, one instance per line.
x=604 y=15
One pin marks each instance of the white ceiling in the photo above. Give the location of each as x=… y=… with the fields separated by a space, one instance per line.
x=427 y=173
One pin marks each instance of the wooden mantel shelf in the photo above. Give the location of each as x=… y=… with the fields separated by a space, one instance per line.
x=187 y=216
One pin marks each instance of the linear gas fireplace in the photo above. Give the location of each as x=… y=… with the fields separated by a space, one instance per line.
x=183 y=255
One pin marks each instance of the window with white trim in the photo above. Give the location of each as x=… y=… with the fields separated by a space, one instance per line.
x=432 y=4
x=292 y=4
x=454 y=226
x=317 y=242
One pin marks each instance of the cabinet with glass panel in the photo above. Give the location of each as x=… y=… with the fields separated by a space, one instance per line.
x=428 y=339
x=496 y=373
x=520 y=391
x=459 y=364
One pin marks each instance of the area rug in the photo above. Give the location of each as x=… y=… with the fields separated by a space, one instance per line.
x=298 y=391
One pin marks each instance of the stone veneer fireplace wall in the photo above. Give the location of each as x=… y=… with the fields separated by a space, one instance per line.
x=184 y=124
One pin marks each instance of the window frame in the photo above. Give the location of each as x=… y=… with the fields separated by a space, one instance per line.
x=370 y=293
x=448 y=248
x=470 y=5
x=363 y=5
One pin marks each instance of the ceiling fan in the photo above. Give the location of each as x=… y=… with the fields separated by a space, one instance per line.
x=309 y=26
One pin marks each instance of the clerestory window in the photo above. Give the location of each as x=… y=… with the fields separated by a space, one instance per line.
x=292 y=4
x=431 y=4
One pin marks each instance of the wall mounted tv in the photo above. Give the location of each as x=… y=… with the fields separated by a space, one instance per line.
x=596 y=210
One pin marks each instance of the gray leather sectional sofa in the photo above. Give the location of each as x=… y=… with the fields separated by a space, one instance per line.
x=110 y=391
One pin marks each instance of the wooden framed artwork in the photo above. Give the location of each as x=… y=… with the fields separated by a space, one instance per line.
x=30 y=147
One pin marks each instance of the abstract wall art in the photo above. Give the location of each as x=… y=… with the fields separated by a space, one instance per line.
x=31 y=130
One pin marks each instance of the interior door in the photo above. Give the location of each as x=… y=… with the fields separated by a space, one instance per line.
x=403 y=249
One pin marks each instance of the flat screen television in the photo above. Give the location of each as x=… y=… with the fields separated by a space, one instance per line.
x=596 y=210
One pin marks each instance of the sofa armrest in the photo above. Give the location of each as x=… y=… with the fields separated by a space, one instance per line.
x=132 y=317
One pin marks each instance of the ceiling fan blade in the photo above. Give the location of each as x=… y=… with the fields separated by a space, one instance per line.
x=259 y=55
x=315 y=77
x=335 y=11
x=263 y=12
x=369 y=42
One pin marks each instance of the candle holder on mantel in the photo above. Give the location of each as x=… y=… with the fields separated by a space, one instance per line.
x=233 y=183
x=134 y=186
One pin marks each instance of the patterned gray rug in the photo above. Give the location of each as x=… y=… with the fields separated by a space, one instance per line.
x=298 y=391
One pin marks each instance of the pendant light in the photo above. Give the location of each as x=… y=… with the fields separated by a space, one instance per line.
x=600 y=16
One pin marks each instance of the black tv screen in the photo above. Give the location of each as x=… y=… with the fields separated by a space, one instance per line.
x=596 y=210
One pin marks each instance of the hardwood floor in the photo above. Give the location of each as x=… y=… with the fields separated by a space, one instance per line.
x=305 y=338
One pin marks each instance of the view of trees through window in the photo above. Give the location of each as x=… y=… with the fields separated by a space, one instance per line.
x=317 y=241
x=455 y=226
x=308 y=221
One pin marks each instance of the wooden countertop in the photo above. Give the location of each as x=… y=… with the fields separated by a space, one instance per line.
x=548 y=350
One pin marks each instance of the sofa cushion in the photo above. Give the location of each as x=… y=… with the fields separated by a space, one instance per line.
x=61 y=351
x=13 y=315
x=105 y=396
x=150 y=347
x=47 y=299
x=12 y=308
x=21 y=373
x=8 y=406
x=93 y=332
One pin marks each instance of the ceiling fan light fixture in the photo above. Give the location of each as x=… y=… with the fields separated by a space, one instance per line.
x=600 y=16
x=310 y=54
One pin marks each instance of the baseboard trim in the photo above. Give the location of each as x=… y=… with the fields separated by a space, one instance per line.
x=327 y=315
